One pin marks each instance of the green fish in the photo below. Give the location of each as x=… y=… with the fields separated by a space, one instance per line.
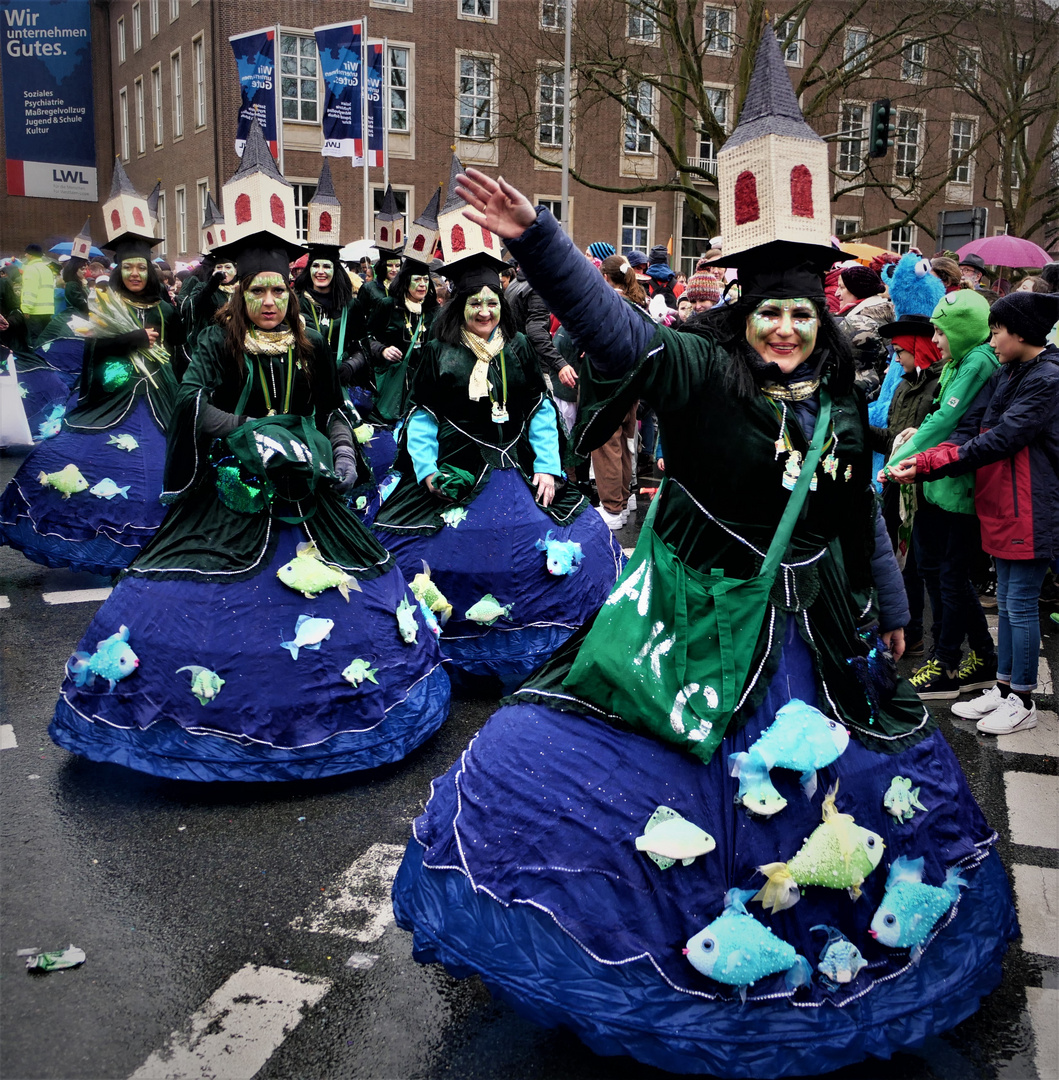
x=454 y=515
x=364 y=433
x=901 y=799
x=839 y=854
x=488 y=610
x=67 y=480
x=407 y=626
x=308 y=574
x=669 y=837
x=123 y=442
x=205 y=684
x=423 y=588
x=358 y=671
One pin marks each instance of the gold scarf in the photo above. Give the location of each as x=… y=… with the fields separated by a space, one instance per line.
x=484 y=351
x=270 y=342
x=795 y=391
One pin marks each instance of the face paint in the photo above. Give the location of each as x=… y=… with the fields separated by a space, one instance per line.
x=481 y=313
x=228 y=270
x=134 y=274
x=322 y=272
x=392 y=267
x=783 y=332
x=266 y=300
x=418 y=284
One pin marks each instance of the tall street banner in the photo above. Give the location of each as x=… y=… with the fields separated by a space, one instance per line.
x=49 y=122
x=255 y=56
x=339 y=47
x=375 y=124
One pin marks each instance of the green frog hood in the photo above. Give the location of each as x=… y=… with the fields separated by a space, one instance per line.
x=963 y=317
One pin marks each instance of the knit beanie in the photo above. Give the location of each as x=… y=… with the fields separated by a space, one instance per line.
x=1030 y=316
x=600 y=249
x=636 y=259
x=702 y=286
x=862 y=281
x=963 y=317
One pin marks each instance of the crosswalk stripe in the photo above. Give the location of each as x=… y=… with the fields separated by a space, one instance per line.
x=5 y=602
x=238 y=1029
x=1043 y=1006
x=76 y=596
x=1033 y=809
x=7 y=737
x=1037 y=893
x=1042 y=741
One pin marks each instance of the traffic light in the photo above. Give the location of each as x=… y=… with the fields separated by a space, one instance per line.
x=879 y=129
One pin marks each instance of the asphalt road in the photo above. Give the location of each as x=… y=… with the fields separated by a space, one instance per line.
x=242 y=930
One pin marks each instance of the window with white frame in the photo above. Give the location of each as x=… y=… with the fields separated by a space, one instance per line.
x=174 y=10
x=121 y=40
x=141 y=117
x=551 y=106
x=302 y=194
x=855 y=50
x=182 y=220
x=906 y=143
x=198 y=58
x=641 y=25
x=853 y=129
x=846 y=226
x=137 y=28
x=123 y=122
x=1023 y=62
x=177 y=78
x=960 y=143
x=902 y=238
x=156 y=102
x=720 y=102
x=635 y=228
x=152 y=14
x=476 y=97
x=639 y=112
x=790 y=28
x=968 y=62
x=718 y=26
x=914 y=61
x=163 y=222
x=553 y=14
x=398 y=88
x=553 y=205
x=298 y=75
x=202 y=196
x=484 y=10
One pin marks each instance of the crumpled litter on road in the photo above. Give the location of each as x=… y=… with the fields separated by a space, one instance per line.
x=69 y=957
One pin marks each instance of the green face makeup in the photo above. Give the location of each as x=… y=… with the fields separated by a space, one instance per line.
x=134 y=274
x=481 y=313
x=266 y=300
x=392 y=266
x=228 y=270
x=783 y=332
x=322 y=271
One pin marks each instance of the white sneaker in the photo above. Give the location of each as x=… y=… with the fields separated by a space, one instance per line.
x=980 y=706
x=631 y=504
x=1010 y=717
x=613 y=521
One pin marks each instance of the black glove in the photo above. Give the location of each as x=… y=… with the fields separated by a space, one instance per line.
x=345 y=469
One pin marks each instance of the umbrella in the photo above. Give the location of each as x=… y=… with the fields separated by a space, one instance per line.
x=1010 y=251
x=357 y=250
x=867 y=252
x=67 y=246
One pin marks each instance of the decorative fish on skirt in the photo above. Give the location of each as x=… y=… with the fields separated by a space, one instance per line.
x=407 y=626
x=560 y=556
x=309 y=632
x=205 y=683
x=738 y=950
x=430 y=620
x=68 y=480
x=308 y=574
x=910 y=909
x=800 y=738
x=424 y=589
x=113 y=660
x=901 y=799
x=107 y=489
x=358 y=671
x=669 y=837
x=488 y=610
x=453 y=516
x=839 y=854
x=52 y=423
x=124 y=442
x=840 y=960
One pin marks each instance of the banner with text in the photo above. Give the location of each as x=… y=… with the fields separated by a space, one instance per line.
x=339 y=47
x=375 y=122
x=255 y=56
x=49 y=122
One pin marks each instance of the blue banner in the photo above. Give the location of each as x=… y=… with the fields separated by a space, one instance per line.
x=376 y=129
x=255 y=56
x=339 y=47
x=49 y=121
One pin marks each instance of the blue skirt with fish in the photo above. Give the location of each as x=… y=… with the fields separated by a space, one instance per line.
x=102 y=527
x=490 y=549
x=243 y=707
x=524 y=869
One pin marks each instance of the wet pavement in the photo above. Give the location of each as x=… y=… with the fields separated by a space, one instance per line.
x=245 y=930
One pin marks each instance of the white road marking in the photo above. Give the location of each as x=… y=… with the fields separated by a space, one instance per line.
x=1037 y=893
x=357 y=904
x=77 y=596
x=5 y=602
x=7 y=737
x=1042 y=740
x=1033 y=808
x=238 y=1029
x=1043 y=1006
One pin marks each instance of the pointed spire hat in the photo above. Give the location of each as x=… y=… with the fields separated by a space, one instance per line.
x=423 y=236
x=325 y=218
x=472 y=252
x=82 y=243
x=389 y=225
x=127 y=217
x=214 y=233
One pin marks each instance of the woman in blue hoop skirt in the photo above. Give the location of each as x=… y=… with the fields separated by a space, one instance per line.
x=116 y=432
x=263 y=620
x=478 y=503
x=526 y=866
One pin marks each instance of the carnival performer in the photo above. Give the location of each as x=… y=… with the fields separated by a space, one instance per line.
x=642 y=846
x=88 y=498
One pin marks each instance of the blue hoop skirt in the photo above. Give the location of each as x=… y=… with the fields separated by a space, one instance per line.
x=523 y=869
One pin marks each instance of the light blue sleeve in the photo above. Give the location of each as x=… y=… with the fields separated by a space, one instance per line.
x=423 y=443
x=544 y=438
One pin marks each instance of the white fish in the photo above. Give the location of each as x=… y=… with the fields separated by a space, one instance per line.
x=668 y=837
x=107 y=489
x=309 y=632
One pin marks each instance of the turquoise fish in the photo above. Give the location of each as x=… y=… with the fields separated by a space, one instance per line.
x=668 y=837
x=357 y=671
x=52 y=424
x=453 y=516
x=309 y=633
x=68 y=480
x=205 y=684
x=737 y=950
x=561 y=557
x=407 y=626
x=107 y=489
x=488 y=610
x=430 y=620
x=901 y=799
x=910 y=909
x=124 y=442
x=840 y=960
x=113 y=660
x=308 y=574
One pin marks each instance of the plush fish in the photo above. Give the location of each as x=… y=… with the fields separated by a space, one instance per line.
x=560 y=556
x=407 y=626
x=107 y=489
x=454 y=515
x=430 y=620
x=308 y=574
x=737 y=950
x=357 y=671
x=123 y=442
x=909 y=908
x=669 y=837
x=901 y=799
x=205 y=684
x=113 y=660
x=840 y=959
x=387 y=486
x=838 y=854
x=488 y=610
x=67 y=480
x=52 y=423
x=425 y=590
x=364 y=433
x=309 y=632
x=800 y=738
